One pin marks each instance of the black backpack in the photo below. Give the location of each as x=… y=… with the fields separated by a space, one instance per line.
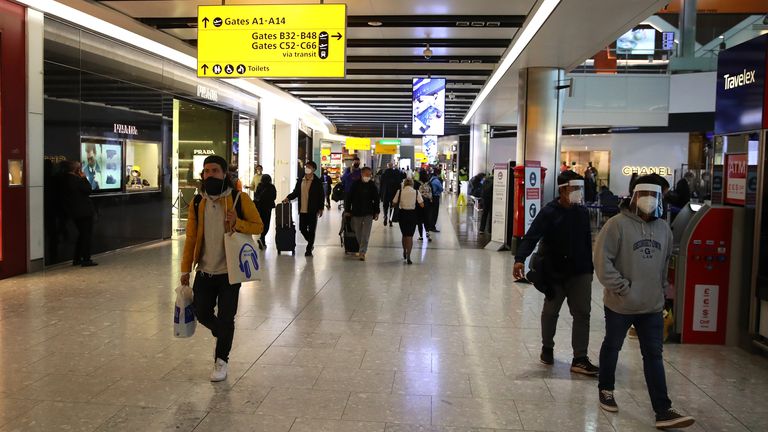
x=238 y=206
x=338 y=192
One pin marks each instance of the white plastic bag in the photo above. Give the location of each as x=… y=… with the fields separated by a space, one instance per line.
x=184 y=322
x=242 y=259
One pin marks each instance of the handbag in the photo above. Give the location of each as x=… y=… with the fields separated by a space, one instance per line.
x=396 y=207
x=242 y=259
x=184 y=322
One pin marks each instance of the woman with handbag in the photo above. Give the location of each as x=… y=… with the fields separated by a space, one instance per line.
x=405 y=201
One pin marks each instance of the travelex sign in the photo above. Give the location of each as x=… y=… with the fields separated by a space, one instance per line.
x=742 y=94
x=290 y=41
x=742 y=79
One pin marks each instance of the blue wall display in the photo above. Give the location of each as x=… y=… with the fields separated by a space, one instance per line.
x=741 y=89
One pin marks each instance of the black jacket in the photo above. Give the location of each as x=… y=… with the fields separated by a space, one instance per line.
x=265 y=196
x=362 y=199
x=566 y=240
x=390 y=183
x=76 y=191
x=316 y=195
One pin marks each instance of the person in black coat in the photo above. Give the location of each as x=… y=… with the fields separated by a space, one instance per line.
x=264 y=198
x=79 y=207
x=309 y=191
x=390 y=184
x=361 y=204
x=487 y=219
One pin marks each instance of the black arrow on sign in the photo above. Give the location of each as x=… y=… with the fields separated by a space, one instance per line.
x=205 y=22
x=337 y=36
x=205 y=69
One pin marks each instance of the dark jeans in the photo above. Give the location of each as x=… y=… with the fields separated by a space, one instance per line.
x=435 y=207
x=266 y=218
x=84 y=227
x=485 y=221
x=210 y=290
x=578 y=291
x=386 y=203
x=308 y=226
x=650 y=333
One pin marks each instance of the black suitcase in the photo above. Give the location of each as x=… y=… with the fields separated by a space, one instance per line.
x=285 y=230
x=349 y=239
x=285 y=239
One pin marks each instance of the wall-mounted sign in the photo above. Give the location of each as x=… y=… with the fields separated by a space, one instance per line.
x=741 y=89
x=668 y=41
x=637 y=42
x=736 y=178
x=385 y=149
x=420 y=157
x=125 y=129
x=388 y=141
x=645 y=170
x=207 y=93
x=292 y=41
x=428 y=106
x=358 y=144
x=532 y=192
x=429 y=143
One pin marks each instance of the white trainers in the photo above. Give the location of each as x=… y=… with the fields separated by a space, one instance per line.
x=219 y=371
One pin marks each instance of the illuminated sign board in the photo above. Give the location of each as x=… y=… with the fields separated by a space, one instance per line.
x=358 y=144
x=637 y=42
x=385 y=149
x=428 y=106
x=290 y=41
x=388 y=141
x=645 y=170
x=430 y=148
x=742 y=94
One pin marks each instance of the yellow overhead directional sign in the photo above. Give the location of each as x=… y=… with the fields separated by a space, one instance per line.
x=385 y=149
x=358 y=144
x=290 y=41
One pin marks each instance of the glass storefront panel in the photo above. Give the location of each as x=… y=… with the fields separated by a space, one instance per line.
x=142 y=165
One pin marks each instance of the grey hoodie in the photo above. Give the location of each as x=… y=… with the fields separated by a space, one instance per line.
x=631 y=258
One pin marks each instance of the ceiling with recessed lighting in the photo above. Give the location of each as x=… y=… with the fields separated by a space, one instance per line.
x=386 y=40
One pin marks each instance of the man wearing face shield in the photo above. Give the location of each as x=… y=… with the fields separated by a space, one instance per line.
x=631 y=258
x=563 y=232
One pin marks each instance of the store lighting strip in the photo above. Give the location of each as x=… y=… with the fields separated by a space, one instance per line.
x=82 y=19
x=530 y=30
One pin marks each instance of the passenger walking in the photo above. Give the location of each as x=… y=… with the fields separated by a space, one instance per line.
x=632 y=254
x=327 y=182
x=210 y=217
x=362 y=205
x=265 y=197
x=351 y=175
x=256 y=180
x=437 y=192
x=236 y=182
x=565 y=253
x=390 y=184
x=486 y=220
x=309 y=191
x=79 y=207
x=424 y=214
x=406 y=200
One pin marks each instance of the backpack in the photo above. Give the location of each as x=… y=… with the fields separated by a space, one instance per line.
x=338 y=192
x=238 y=206
x=426 y=191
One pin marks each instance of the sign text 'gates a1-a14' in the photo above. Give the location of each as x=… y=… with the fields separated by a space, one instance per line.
x=272 y=41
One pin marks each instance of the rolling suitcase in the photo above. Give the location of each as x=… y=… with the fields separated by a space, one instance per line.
x=285 y=230
x=349 y=239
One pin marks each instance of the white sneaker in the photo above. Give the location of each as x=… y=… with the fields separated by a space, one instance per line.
x=219 y=371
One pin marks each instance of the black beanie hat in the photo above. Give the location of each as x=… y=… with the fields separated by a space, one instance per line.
x=217 y=160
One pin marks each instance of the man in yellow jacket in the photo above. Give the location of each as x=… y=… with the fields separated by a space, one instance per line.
x=211 y=216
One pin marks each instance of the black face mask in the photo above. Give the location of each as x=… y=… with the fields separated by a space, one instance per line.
x=213 y=186
x=357 y=165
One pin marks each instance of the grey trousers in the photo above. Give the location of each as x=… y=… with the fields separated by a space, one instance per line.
x=362 y=225
x=578 y=291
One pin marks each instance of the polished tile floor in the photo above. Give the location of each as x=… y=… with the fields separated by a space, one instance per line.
x=332 y=344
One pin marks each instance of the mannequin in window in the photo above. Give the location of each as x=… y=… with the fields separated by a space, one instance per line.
x=134 y=180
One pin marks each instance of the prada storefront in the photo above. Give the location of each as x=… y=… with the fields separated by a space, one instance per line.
x=126 y=115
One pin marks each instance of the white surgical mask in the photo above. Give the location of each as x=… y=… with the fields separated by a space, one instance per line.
x=366 y=179
x=308 y=171
x=648 y=204
x=576 y=196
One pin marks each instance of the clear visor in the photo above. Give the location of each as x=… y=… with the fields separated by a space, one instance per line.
x=647 y=200
x=573 y=191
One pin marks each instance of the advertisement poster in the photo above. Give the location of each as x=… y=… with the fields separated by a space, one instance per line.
x=102 y=164
x=429 y=143
x=705 y=308
x=532 y=192
x=500 y=197
x=637 y=42
x=736 y=179
x=428 y=106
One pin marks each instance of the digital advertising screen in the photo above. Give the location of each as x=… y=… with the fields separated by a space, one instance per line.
x=428 y=106
x=429 y=143
x=102 y=164
x=637 y=42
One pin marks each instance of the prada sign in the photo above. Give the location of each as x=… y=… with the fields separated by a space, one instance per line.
x=125 y=129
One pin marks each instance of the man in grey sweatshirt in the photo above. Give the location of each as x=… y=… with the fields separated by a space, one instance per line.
x=631 y=257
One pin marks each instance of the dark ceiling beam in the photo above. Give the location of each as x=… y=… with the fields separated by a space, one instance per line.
x=469 y=21
x=434 y=43
x=421 y=59
x=405 y=82
x=421 y=72
x=419 y=20
x=340 y=90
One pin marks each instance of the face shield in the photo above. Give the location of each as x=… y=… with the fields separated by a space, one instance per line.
x=647 y=200
x=573 y=191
